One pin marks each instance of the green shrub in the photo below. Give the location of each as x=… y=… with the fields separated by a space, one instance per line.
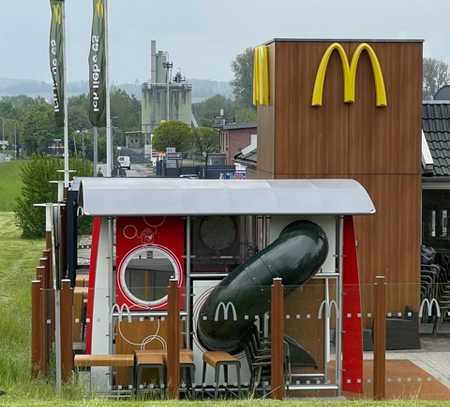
x=36 y=175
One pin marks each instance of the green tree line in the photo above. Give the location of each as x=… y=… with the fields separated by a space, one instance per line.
x=31 y=122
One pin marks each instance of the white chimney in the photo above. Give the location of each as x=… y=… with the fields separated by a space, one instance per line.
x=153 y=62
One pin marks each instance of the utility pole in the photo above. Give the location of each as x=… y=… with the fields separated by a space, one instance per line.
x=15 y=140
x=3 y=128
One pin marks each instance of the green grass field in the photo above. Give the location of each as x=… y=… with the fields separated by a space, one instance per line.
x=10 y=184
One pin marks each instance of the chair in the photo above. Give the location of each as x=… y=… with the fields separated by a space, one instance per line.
x=157 y=359
x=187 y=364
x=150 y=360
x=217 y=360
x=259 y=357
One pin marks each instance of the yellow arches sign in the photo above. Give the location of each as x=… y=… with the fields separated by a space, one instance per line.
x=349 y=71
x=261 y=79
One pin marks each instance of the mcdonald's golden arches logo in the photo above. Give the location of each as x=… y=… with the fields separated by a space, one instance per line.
x=100 y=8
x=349 y=71
x=57 y=13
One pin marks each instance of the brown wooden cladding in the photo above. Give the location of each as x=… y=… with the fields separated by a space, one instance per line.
x=380 y=147
x=389 y=241
x=388 y=140
x=308 y=140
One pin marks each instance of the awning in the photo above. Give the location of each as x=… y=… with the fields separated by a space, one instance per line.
x=172 y=197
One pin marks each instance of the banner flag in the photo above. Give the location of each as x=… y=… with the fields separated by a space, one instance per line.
x=56 y=50
x=97 y=67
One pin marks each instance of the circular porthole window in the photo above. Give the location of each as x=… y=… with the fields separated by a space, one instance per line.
x=145 y=275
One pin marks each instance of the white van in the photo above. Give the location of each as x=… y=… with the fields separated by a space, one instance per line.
x=124 y=161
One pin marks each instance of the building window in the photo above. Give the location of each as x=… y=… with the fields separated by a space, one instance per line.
x=444 y=223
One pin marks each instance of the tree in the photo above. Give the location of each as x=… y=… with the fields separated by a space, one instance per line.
x=125 y=110
x=36 y=174
x=206 y=111
x=79 y=113
x=205 y=140
x=39 y=128
x=435 y=75
x=243 y=78
x=172 y=134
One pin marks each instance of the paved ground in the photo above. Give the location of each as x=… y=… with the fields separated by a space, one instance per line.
x=139 y=170
x=433 y=358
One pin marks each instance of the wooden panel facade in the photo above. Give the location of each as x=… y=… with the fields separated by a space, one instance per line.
x=378 y=146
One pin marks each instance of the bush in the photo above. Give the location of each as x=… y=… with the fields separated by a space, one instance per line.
x=36 y=175
x=172 y=134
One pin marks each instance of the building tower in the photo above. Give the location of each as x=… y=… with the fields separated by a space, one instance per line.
x=164 y=98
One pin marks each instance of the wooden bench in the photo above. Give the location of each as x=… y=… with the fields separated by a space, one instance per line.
x=217 y=360
x=89 y=361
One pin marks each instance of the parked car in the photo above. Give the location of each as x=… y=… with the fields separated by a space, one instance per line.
x=124 y=161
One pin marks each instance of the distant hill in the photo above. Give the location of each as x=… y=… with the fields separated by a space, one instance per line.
x=201 y=88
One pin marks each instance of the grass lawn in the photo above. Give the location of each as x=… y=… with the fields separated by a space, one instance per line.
x=10 y=184
x=18 y=259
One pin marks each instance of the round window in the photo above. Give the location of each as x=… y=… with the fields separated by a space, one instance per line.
x=146 y=273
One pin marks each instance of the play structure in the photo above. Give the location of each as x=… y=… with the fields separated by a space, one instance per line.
x=221 y=246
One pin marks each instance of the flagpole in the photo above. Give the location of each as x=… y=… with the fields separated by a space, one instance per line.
x=109 y=146
x=109 y=157
x=66 y=107
x=95 y=152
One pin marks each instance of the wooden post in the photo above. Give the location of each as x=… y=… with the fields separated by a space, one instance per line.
x=40 y=271
x=36 y=328
x=47 y=285
x=379 y=366
x=45 y=331
x=48 y=281
x=277 y=329
x=66 y=330
x=173 y=340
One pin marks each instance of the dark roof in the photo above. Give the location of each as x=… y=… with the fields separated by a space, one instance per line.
x=443 y=93
x=238 y=126
x=250 y=158
x=436 y=127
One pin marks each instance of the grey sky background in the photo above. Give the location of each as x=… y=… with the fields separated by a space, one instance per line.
x=203 y=36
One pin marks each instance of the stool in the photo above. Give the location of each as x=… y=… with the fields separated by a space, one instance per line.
x=187 y=364
x=217 y=360
x=151 y=360
x=88 y=361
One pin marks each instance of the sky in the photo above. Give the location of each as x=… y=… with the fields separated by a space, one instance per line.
x=204 y=36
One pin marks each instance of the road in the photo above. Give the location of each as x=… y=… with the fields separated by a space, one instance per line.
x=136 y=171
x=139 y=170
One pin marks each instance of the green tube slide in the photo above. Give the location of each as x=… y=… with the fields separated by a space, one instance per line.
x=227 y=315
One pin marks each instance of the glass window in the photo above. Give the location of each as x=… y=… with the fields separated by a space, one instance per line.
x=145 y=275
x=444 y=223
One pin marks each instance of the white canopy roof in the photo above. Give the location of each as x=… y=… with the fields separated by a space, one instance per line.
x=170 y=197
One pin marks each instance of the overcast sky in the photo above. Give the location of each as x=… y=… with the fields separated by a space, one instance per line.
x=203 y=36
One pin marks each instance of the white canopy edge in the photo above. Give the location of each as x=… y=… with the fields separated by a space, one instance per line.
x=192 y=197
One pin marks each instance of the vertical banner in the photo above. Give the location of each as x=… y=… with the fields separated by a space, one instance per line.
x=56 y=50
x=97 y=67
